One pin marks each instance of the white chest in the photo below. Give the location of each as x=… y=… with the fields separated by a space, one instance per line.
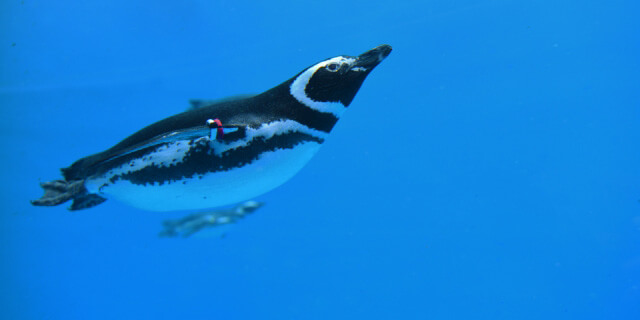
x=206 y=189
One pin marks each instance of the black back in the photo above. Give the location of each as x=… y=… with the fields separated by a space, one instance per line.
x=272 y=105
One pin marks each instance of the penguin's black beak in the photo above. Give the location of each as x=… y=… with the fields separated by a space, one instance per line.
x=373 y=57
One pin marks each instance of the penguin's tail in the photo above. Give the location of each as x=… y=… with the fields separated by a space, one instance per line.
x=60 y=191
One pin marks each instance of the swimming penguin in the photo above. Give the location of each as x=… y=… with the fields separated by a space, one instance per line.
x=219 y=153
x=197 y=222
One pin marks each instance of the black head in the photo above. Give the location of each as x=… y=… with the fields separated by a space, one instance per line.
x=331 y=85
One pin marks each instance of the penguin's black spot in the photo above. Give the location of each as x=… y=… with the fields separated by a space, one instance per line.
x=197 y=162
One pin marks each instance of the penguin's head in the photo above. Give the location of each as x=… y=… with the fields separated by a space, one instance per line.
x=330 y=86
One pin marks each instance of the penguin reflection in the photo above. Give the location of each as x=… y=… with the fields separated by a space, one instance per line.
x=193 y=223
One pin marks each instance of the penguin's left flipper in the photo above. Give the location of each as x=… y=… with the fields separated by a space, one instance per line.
x=59 y=191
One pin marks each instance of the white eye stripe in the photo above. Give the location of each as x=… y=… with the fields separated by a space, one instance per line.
x=336 y=64
x=338 y=60
x=333 y=67
x=297 y=88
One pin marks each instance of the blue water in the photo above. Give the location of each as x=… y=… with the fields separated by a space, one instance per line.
x=488 y=169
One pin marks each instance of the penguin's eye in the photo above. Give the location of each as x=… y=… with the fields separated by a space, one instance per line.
x=333 y=67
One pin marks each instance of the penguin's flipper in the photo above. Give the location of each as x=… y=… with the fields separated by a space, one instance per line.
x=184 y=134
x=201 y=103
x=59 y=191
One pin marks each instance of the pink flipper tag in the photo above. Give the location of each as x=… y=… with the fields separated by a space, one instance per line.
x=218 y=125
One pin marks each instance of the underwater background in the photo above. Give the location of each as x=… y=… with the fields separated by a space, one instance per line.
x=487 y=169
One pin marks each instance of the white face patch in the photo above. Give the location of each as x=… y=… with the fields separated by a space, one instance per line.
x=299 y=85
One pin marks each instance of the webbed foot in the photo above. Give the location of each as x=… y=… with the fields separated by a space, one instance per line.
x=59 y=191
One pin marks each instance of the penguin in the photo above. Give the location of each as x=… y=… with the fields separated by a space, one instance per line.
x=198 y=222
x=219 y=153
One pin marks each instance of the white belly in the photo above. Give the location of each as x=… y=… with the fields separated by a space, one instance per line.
x=214 y=189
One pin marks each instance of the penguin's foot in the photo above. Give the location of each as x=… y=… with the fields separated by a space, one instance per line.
x=59 y=191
